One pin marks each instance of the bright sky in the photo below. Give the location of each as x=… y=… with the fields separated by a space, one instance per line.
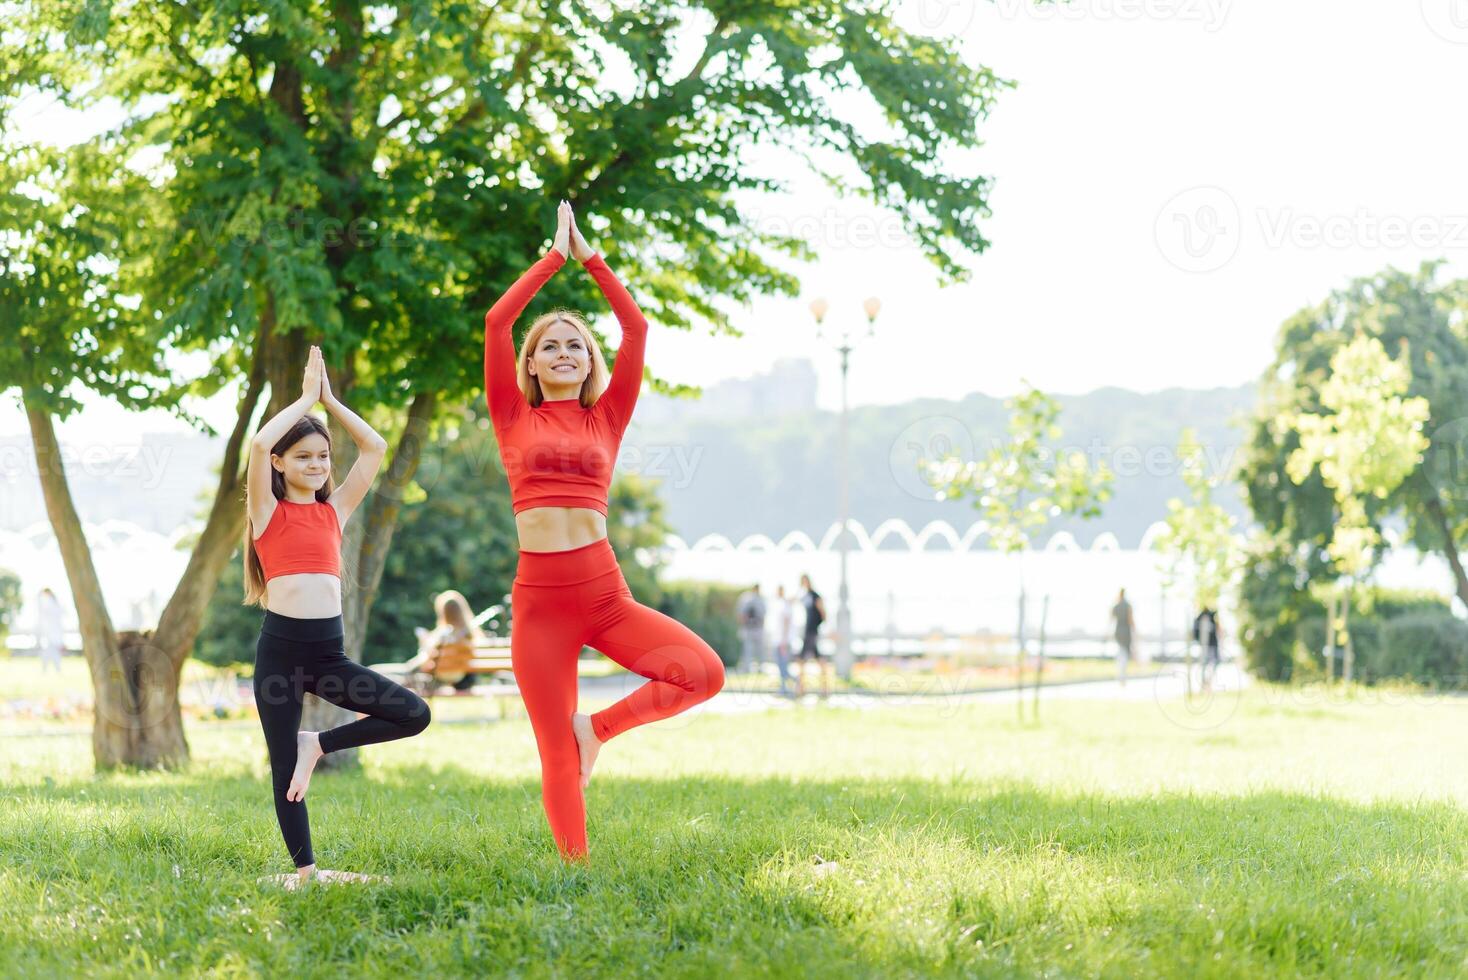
x=1173 y=179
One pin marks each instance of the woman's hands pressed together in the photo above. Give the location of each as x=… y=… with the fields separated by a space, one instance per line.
x=580 y=251
x=569 y=241
x=562 y=242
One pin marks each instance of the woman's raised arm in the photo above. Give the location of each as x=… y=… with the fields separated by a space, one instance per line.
x=501 y=387
x=621 y=394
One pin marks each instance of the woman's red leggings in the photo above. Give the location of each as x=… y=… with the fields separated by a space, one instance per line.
x=561 y=601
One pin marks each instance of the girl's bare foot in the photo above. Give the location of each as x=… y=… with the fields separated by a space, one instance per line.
x=290 y=882
x=308 y=753
x=347 y=877
x=587 y=741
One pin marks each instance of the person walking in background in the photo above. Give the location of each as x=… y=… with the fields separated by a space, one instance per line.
x=784 y=638
x=750 y=611
x=1125 y=627
x=50 y=635
x=1207 y=634
x=815 y=614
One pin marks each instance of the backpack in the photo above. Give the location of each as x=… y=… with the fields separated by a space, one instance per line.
x=815 y=610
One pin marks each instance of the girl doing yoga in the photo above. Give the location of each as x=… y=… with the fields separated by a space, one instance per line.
x=293 y=532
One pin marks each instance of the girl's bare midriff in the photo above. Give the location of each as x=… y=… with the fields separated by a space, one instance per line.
x=559 y=528
x=304 y=596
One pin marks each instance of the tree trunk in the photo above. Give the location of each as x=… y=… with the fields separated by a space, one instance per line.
x=137 y=722
x=1040 y=662
x=365 y=546
x=372 y=537
x=1019 y=657
x=1439 y=515
x=1331 y=617
x=180 y=620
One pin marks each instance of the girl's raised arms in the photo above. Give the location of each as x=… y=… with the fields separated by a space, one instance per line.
x=371 y=448
x=259 y=499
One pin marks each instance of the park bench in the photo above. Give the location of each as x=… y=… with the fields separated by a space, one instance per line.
x=490 y=658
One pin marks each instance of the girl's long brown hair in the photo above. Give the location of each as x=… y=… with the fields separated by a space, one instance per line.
x=254 y=571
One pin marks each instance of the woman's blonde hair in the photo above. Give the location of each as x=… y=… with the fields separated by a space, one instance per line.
x=305 y=426
x=596 y=379
x=450 y=604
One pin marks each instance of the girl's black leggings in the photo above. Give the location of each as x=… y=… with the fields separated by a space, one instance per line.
x=296 y=656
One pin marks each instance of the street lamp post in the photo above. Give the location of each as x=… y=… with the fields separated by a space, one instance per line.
x=844 y=345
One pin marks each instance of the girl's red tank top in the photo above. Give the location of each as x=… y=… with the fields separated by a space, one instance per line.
x=559 y=454
x=300 y=538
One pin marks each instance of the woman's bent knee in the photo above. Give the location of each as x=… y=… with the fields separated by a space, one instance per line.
x=713 y=676
x=419 y=715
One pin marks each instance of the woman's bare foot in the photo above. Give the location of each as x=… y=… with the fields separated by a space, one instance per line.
x=587 y=741
x=308 y=753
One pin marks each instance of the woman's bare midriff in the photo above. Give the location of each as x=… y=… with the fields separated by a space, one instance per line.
x=309 y=595
x=559 y=528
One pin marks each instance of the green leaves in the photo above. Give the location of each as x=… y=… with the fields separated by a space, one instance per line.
x=1199 y=544
x=1022 y=485
x=65 y=284
x=374 y=176
x=1369 y=443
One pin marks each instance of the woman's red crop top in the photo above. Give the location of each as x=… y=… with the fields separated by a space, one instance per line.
x=559 y=454
x=301 y=538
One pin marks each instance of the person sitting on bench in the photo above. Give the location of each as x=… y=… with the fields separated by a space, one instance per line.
x=445 y=651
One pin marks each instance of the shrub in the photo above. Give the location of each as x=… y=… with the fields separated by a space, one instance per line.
x=1398 y=634
x=707 y=608
x=1428 y=647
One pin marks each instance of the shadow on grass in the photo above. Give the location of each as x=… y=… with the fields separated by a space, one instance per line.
x=931 y=876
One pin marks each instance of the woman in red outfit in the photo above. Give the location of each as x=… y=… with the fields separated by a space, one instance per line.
x=559 y=422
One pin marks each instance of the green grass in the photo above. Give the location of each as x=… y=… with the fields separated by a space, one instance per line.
x=1287 y=834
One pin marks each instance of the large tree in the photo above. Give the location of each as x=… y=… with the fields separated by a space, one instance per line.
x=1368 y=443
x=369 y=177
x=64 y=219
x=1414 y=315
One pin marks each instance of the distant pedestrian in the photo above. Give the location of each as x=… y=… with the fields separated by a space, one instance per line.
x=815 y=614
x=1125 y=628
x=750 y=611
x=50 y=635
x=1207 y=633
x=784 y=637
